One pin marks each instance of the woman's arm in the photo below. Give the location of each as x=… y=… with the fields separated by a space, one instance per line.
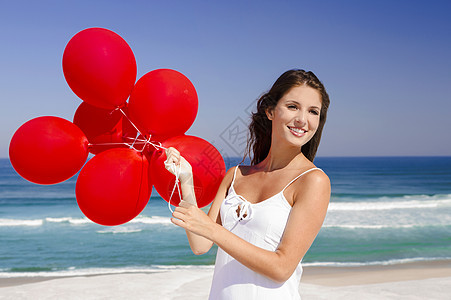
x=199 y=244
x=307 y=215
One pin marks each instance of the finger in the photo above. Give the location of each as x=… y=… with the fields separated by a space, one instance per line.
x=170 y=166
x=181 y=210
x=179 y=216
x=178 y=222
x=172 y=151
x=175 y=151
x=171 y=163
x=172 y=156
x=185 y=204
x=169 y=156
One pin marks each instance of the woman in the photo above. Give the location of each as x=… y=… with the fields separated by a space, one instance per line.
x=265 y=216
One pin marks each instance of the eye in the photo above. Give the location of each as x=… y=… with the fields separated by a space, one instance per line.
x=292 y=106
x=314 y=111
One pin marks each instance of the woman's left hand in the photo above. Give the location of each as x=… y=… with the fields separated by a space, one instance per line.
x=175 y=163
x=193 y=219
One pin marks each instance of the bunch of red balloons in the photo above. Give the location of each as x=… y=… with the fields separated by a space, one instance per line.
x=127 y=138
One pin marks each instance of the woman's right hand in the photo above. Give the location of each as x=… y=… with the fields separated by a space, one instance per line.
x=176 y=163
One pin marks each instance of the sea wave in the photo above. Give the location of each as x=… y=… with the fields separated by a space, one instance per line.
x=381 y=226
x=351 y=226
x=74 y=221
x=151 y=220
x=79 y=221
x=384 y=203
x=375 y=263
x=73 y=271
x=18 y=222
x=115 y=230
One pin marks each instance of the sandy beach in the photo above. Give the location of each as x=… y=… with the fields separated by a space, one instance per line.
x=429 y=280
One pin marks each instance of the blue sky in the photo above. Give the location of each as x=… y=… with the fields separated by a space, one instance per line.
x=385 y=64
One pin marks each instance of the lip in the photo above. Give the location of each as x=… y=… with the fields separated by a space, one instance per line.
x=298 y=134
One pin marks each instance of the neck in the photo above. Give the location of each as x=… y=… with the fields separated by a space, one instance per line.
x=280 y=157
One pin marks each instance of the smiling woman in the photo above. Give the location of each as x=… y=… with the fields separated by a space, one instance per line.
x=296 y=114
x=265 y=216
x=260 y=127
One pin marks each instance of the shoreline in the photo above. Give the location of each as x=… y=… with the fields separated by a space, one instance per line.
x=373 y=274
x=416 y=280
x=321 y=275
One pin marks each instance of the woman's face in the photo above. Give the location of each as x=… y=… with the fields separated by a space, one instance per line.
x=295 y=118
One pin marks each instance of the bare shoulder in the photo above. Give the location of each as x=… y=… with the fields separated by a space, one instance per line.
x=314 y=186
x=317 y=177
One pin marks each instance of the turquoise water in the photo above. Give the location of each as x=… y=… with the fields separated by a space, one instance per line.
x=383 y=211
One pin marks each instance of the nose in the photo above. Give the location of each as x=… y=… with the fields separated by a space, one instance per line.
x=301 y=118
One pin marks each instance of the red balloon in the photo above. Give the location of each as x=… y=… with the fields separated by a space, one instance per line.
x=48 y=150
x=114 y=186
x=206 y=161
x=100 y=67
x=103 y=127
x=163 y=103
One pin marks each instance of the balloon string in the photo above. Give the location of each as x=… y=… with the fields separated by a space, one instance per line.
x=134 y=141
x=177 y=174
x=137 y=139
x=107 y=144
x=125 y=115
x=156 y=146
x=146 y=142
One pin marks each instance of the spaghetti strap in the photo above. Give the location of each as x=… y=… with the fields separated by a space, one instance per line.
x=312 y=169
x=234 y=176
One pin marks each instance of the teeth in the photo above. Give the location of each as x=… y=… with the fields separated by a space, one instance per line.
x=298 y=130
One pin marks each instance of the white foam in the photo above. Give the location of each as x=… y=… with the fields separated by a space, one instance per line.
x=80 y=221
x=57 y=220
x=72 y=271
x=374 y=263
x=151 y=220
x=183 y=267
x=19 y=222
x=75 y=221
x=355 y=226
x=115 y=230
x=397 y=203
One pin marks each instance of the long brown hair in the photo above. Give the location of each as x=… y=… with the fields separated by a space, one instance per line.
x=260 y=128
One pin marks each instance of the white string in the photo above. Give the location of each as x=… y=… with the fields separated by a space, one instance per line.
x=146 y=142
x=120 y=109
x=108 y=144
x=158 y=146
x=176 y=171
x=135 y=139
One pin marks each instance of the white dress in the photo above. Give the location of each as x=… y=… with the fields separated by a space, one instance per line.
x=261 y=224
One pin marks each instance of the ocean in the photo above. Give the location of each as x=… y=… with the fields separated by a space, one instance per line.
x=383 y=210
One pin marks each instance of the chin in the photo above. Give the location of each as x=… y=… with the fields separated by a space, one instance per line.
x=300 y=143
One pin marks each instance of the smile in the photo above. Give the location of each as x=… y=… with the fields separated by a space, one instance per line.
x=297 y=131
